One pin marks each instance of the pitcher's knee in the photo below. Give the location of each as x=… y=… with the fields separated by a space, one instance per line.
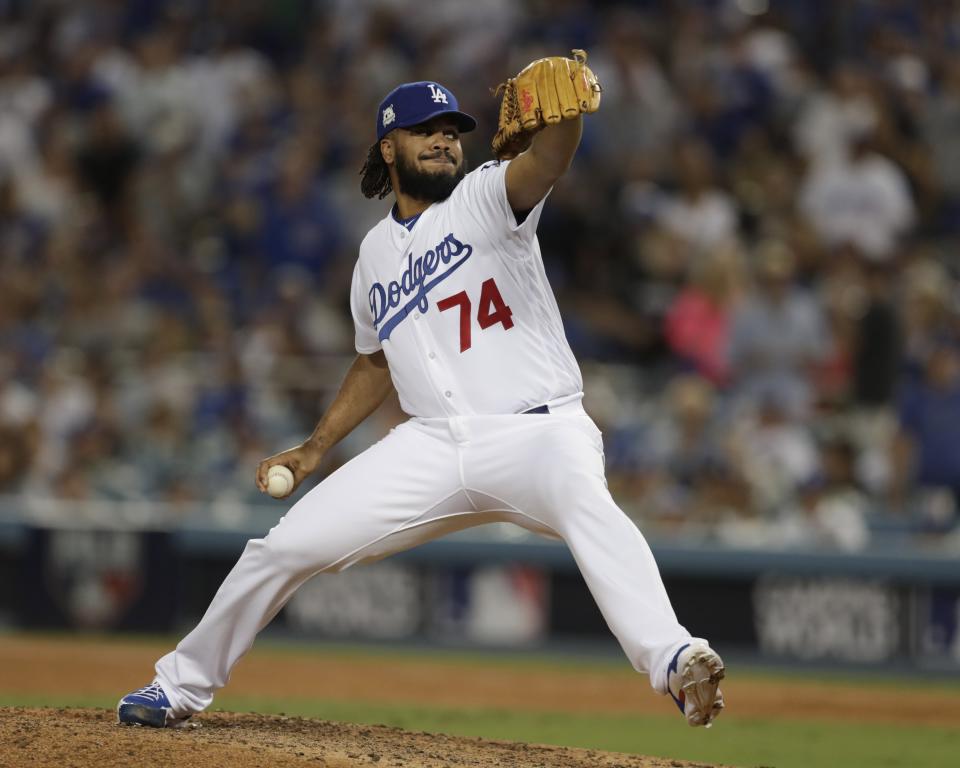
x=579 y=490
x=289 y=553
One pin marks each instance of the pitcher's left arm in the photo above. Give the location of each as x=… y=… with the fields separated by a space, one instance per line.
x=540 y=124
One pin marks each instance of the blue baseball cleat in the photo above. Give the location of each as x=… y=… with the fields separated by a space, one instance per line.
x=693 y=678
x=148 y=706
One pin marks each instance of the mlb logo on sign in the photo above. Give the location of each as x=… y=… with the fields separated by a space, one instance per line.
x=438 y=95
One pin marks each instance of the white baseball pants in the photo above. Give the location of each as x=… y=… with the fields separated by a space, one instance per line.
x=427 y=478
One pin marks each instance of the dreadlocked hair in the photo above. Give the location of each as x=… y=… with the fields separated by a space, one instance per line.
x=375 y=178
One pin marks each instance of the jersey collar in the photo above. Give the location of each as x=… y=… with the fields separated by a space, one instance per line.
x=408 y=223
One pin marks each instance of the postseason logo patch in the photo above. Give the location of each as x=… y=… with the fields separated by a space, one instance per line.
x=418 y=279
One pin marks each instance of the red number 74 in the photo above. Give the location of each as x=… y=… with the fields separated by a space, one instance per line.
x=492 y=310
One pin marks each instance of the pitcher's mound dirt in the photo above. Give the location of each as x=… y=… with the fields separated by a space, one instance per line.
x=82 y=738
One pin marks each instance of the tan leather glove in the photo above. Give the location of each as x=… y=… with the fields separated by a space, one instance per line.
x=545 y=92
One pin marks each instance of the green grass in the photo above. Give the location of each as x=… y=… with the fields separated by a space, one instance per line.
x=745 y=743
x=597 y=660
x=608 y=663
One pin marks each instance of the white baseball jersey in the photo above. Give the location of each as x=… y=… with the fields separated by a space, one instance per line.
x=461 y=307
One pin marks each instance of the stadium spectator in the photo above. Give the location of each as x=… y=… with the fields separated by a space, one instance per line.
x=876 y=363
x=698 y=322
x=774 y=450
x=683 y=474
x=830 y=511
x=929 y=410
x=777 y=336
x=641 y=111
x=858 y=198
x=940 y=126
x=835 y=115
x=699 y=213
x=928 y=313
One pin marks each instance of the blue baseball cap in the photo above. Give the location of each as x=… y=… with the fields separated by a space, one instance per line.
x=415 y=103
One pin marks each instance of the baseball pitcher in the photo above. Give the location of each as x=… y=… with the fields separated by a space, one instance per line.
x=453 y=310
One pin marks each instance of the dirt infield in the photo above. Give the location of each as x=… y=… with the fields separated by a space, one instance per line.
x=68 y=738
x=57 y=670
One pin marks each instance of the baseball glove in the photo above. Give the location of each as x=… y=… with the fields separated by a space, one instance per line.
x=545 y=92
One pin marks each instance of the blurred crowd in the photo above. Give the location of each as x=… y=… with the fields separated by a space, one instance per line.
x=754 y=252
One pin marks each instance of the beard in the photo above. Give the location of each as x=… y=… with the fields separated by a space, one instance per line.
x=424 y=185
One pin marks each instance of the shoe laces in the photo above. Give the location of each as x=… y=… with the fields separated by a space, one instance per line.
x=153 y=692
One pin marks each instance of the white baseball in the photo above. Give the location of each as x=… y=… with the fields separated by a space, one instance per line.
x=279 y=481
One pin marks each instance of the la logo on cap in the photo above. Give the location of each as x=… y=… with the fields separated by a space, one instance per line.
x=438 y=95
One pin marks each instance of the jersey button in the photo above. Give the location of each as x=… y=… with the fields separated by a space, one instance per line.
x=416 y=316
x=432 y=355
x=448 y=393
